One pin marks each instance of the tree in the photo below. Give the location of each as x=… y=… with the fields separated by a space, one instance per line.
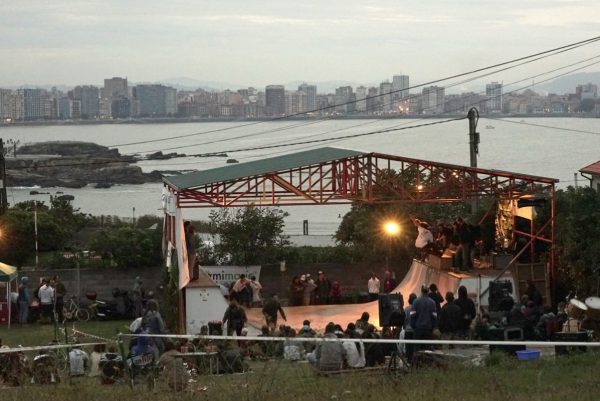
x=127 y=246
x=578 y=238
x=250 y=235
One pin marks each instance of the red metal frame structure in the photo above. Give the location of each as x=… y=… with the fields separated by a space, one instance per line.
x=361 y=177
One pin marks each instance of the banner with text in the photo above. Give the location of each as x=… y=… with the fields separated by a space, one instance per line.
x=226 y=275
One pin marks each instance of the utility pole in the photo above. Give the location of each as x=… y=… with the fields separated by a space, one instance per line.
x=3 y=199
x=473 y=117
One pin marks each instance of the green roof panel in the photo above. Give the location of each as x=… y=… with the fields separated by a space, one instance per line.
x=259 y=167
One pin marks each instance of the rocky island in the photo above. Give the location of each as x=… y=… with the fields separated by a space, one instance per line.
x=73 y=165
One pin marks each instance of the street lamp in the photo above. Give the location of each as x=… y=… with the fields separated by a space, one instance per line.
x=391 y=229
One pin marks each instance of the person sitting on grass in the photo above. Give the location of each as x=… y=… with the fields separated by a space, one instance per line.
x=328 y=355
x=354 y=352
x=79 y=362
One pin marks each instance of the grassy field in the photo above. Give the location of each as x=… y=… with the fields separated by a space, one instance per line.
x=42 y=334
x=572 y=378
x=568 y=378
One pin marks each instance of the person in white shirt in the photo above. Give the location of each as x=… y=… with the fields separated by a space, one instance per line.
x=256 y=287
x=424 y=241
x=46 y=295
x=79 y=362
x=373 y=286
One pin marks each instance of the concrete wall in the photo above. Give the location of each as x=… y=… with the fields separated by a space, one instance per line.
x=100 y=280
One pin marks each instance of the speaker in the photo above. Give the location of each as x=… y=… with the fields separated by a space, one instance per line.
x=391 y=310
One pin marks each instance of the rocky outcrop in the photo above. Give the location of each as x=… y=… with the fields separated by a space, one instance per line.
x=73 y=165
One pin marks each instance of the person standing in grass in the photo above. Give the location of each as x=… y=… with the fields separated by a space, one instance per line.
x=59 y=291
x=46 y=294
x=24 y=300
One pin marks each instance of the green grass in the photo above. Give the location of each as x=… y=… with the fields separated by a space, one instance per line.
x=572 y=378
x=567 y=378
x=41 y=334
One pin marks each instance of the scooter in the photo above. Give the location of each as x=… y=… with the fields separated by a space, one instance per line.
x=119 y=308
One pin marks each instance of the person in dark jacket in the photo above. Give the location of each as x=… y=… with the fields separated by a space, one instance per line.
x=465 y=237
x=423 y=316
x=270 y=310
x=235 y=317
x=467 y=307
x=450 y=318
x=323 y=289
x=436 y=297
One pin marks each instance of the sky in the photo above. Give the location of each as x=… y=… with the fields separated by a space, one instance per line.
x=260 y=42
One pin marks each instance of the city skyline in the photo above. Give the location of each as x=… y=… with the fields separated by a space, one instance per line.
x=268 y=42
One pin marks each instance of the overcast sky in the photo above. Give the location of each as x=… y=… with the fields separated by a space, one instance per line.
x=257 y=42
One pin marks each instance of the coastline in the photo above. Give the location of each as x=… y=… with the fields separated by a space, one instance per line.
x=182 y=120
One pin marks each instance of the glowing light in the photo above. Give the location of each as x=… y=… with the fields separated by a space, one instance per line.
x=391 y=228
x=419 y=187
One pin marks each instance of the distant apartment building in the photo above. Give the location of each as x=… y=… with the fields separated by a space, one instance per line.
x=64 y=108
x=120 y=107
x=587 y=91
x=385 y=97
x=275 y=100
x=433 y=100
x=296 y=102
x=5 y=103
x=400 y=85
x=75 y=109
x=373 y=100
x=344 y=99
x=155 y=100
x=493 y=92
x=17 y=106
x=89 y=96
x=361 y=99
x=33 y=103
x=311 y=96
x=115 y=87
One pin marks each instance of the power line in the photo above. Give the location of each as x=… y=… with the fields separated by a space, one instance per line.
x=406 y=99
x=390 y=129
x=550 y=52
x=335 y=138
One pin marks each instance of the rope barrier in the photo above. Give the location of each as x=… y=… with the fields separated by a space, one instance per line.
x=88 y=335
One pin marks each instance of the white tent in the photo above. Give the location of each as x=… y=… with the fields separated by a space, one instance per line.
x=8 y=275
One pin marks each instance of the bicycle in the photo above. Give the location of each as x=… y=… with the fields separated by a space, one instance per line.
x=72 y=311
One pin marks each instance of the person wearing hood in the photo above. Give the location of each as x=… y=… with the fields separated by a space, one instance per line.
x=24 y=300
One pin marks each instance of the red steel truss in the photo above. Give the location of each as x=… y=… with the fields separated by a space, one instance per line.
x=377 y=179
x=369 y=177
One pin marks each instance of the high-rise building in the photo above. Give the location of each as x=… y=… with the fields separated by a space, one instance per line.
x=17 y=106
x=89 y=96
x=361 y=99
x=493 y=92
x=115 y=87
x=120 y=108
x=344 y=98
x=385 y=97
x=170 y=101
x=155 y=100
x=275 y=100
x=311 y=96
x=5 y=100
x=33 y=103
x=433 y=100
x=295 y=102
x=400 y=85
x=64 y=108
x=372 y=100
